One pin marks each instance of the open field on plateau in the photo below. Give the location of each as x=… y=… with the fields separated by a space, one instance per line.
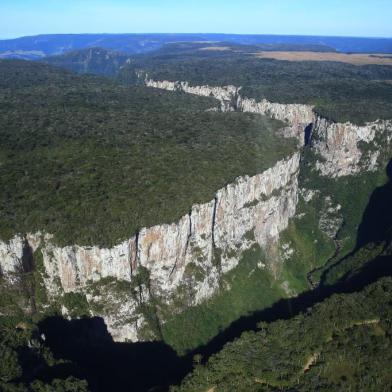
x=355 y=58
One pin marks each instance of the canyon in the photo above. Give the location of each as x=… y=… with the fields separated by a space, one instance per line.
x=186 y=259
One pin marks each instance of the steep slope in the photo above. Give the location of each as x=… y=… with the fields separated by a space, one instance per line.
x=336 y=159
x=339 y=344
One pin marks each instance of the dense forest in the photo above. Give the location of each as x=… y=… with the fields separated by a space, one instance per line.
x=340 y=92
x=340 y=344
x=92 y=162
x=96 y=61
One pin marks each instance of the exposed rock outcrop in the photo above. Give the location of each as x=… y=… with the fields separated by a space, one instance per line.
x=173 y=254
x=347 y=149
x=13 y=252
x=344 y=148
x=190 y=255
x=297 y=116
x=227 y=95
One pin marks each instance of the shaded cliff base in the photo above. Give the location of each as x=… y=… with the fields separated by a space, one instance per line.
x=342 y=343
x=154 y=366
x=80 y=341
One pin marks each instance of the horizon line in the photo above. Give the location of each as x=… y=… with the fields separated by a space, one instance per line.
x=201 y=33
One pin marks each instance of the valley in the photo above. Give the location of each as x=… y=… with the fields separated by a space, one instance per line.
x=187 y=219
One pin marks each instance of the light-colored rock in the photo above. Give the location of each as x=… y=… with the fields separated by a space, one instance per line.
x=250 y=206
x=119 y=310
x=227 y=95
x=11 y=253
x=286 y=251
x=75 y=266
x=11 y=256
x=330 y=220
x=297 y=116
x=339 y=146
x=262 y=204
x=194 y=252
x=308 y=194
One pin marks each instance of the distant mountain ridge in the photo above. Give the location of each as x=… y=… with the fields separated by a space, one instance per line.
x=40 y=46
x=96 y=61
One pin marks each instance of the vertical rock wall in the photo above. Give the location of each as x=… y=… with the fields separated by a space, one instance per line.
x=171 y=253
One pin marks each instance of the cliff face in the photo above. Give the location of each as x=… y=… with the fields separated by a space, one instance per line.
x=186 y=259
x=192 y=252
x=346 y=149
x=227 y=95
x=343 y=149
x=297 y=116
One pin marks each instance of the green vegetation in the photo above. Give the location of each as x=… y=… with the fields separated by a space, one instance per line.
x=351 y=209
x=92 y=162
x=351 y=264
x=244 y=290
x=342 y=343
x=96 y=61
x=25 y=359
x=76 y=303
x=311 y=247
x=340 y=92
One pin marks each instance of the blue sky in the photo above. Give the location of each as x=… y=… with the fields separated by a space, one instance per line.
x=308 y=17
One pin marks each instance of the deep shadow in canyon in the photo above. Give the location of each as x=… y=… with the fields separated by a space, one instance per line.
x=105 y=364
x=376 y=222
x=111 y=366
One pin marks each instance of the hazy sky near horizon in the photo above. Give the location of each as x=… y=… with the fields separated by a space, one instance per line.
x=307 y=17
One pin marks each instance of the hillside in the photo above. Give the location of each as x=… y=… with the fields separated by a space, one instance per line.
x=339 y=344
x=331 y=337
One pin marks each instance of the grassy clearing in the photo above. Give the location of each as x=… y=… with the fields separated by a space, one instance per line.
x=355 y=59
